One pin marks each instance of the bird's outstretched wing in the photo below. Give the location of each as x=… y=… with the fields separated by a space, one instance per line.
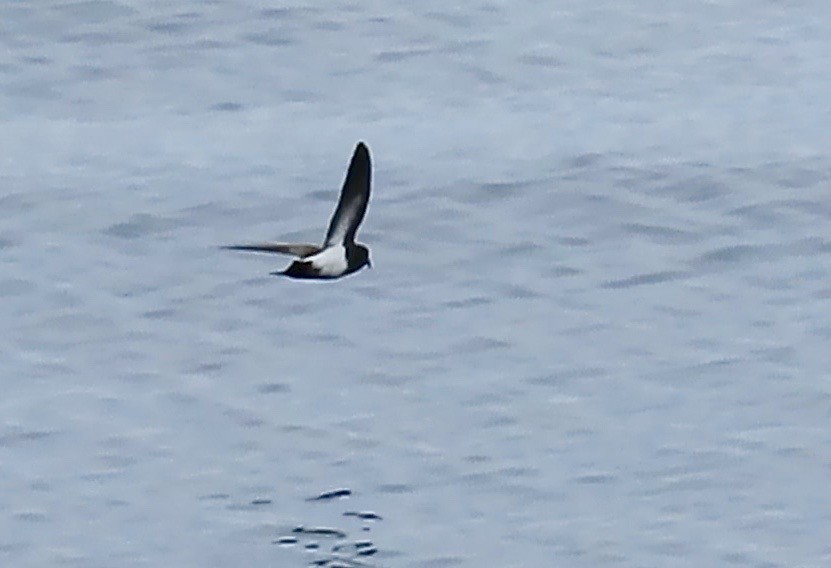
x=298 y=250
x=354 y=198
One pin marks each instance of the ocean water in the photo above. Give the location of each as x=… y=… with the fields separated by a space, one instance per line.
x=597 y=328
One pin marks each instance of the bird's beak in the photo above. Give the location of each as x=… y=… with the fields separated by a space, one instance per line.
x=369 y=263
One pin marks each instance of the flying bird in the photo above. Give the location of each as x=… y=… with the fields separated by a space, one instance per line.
x=340 y=254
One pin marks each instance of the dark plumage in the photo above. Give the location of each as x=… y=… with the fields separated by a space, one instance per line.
x=340 y=254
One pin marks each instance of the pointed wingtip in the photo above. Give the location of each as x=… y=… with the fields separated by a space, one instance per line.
x=362 y=148
x=237 y=247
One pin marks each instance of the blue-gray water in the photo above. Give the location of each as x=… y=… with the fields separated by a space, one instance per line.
x=597 y=329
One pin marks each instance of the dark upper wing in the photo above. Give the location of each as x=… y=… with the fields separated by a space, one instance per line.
x=353 y=199
x=301 y=251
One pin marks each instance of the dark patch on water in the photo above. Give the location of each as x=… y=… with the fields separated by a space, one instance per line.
x=344 y=552
x=363 y=515
x=215 y=497
x=519 y=293
x=14 y=286
x=319 y=531
x=595 y=478
x=468 y=302
x=484 y=75
x=273 y=388
x=37 y=60
x=522 y=248
x=731 y=254
x=454 y=18
x=540 y=60
x=395 y=488
x=496 y=191
x=271 y=38
x=140 y=225
x=333 y=494
x=561 y=377
x=574 y=242
x=329 y=25
x=587 y=160
x=161 y=314
x=228 y=106
x=169 y=27
x=645 y=279
x=300 y=96
x=93 y=11
x=660 y=234
x=96 y=39
x=23 y=437
x=395 y=56
x=696 y=190
x=207 y=368
x=562 y=272
x=30 y=516
x=278 y=13
x=481 y=345
x=799 y=178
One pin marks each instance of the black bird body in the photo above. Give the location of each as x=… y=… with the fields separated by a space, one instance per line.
x=327 y=264
x=340 y=254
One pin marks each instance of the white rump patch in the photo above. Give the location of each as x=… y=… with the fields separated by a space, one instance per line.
x=331 y=261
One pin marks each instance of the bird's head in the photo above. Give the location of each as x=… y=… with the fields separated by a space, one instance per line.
x=362 y=254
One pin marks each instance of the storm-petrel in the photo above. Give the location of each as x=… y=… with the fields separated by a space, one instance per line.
x=340 y=254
